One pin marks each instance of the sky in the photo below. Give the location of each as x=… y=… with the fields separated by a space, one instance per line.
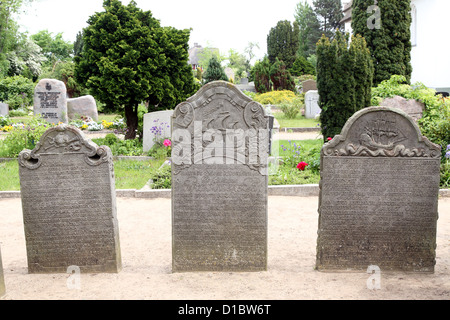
x=227 y=24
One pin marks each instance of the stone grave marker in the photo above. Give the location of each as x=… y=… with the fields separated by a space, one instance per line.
x=4 y=109
x=312 y=108
x=219 y=182
x=50 y=100
x=69 y=204
x=2 y=279
x=82 y=106
x=412 y=107
x=378 y=195
x=156 y=126
x=308 y=85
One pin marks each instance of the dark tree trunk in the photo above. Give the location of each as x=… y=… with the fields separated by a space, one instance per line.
x=132 y=121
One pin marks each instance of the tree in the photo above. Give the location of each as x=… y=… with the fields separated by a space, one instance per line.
x=386 y=28
x=329 y=13
x=344 y=80
x=283 y=42
x=309 y=28
x=214 y=71
x=238 y=63
x=261 y=75
x=280 y=76
x=26 y=59
x=128 y=58
x=302 y=66
x=54 y=47
x=78 y=44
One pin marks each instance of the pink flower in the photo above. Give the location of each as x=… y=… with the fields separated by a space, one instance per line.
x=329 y=139
x=167 y=143
x=301 y=166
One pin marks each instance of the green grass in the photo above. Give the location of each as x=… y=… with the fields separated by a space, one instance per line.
x=101 y=117
x=129 y=174
x=305 y=144
x=299 y=121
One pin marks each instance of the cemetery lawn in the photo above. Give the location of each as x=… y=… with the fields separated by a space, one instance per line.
x=129 y=174
x=298 y=122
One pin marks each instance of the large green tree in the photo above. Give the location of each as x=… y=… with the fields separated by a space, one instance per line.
x=214 y=71
x=283 y=42
x=329 y=13
x=128 y=58
x=309 y=28
x=385 y=24
x=344 y=80
x=54 y=47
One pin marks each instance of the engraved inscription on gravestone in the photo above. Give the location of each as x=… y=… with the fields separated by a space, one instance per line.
x=219 y=182
x=378 y=195
x=2 y=279
x=50 y=100
x=69 y=204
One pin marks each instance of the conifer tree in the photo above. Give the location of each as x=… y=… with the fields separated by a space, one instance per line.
x=344 y=80
x=283 y=42
x=329 y=13
x=214 y=71
x=281 y=77
x=385 y=24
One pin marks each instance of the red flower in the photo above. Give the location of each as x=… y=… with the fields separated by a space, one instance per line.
x=301 y=166
x=329 y=139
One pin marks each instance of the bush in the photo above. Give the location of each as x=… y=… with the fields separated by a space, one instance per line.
x=291 y=109
x=17 y=91
x=162 y=178
x=275 y=97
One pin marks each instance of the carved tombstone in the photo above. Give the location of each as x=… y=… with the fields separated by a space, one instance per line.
x=69 y=204
x=50 y=100
x=412 y=107
x=219 y=182
x=378 y=195
x=2 y=279
x=312 y=109
x=4 y=109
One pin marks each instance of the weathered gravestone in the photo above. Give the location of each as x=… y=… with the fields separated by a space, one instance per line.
x=82 y=106
x=2 y=279
x=50 y=100
x=312 y=108
x=412 y=107
x=219 y=182
x=156 y=127
x=69 y=204
x=308 y=85
x=379 y=195
x=4 y=109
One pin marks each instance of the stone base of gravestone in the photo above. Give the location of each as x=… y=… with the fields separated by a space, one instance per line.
x=378 y=195
x=4 y=109
x=156 y=127
x=312 y=108
x=82 y=106
x=412 y=107
x=2 y=279
x=50 y=101
x=69 y=204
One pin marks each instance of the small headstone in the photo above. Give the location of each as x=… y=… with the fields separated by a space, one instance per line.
x=4 y=109
x=219 y=182
x=412 y=107
x=69 y=204
x=50 y=100
x=379 y=195
x=156 y=127
x=312 y=108
x=82 y=106
x=2 y=279
x=308 y=85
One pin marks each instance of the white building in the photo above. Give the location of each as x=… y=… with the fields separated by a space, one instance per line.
x=430 y=53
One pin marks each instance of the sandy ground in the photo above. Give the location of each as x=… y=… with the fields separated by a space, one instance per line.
x=145 y=236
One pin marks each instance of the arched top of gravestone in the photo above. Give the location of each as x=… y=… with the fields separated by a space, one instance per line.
x=64 y=139
x=381 y=132
x=215 y=104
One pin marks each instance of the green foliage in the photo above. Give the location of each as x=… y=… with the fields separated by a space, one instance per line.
x=283 y=42
x=275 y=97
x=281 y=77
x=435 y=122
x=344 y=80
x=302 y=66
x=162 y=178
x=22 y=137
x=214 y=72
x=65 y=72
x=16 y=91
x=329 y=13
x=130 y=147
x=129 y=58
x=25 y=59
x=261 y=75
x=389 y=42
x=309 y=28
x=54 y=47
